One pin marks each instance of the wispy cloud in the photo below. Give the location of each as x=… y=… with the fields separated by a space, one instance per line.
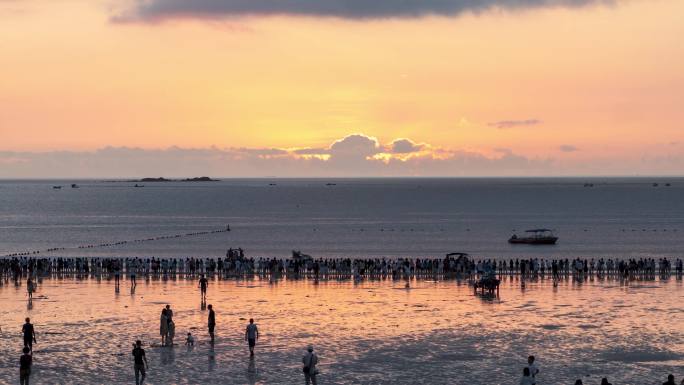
x=503 y=124
x=348 y=9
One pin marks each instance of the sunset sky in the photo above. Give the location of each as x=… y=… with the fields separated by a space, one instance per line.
x=94 y=88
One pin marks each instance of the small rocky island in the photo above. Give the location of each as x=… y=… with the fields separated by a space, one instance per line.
x=160 y=179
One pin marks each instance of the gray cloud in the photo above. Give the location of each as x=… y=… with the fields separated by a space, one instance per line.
x=405 y=146
x=356 y=145
x=348 y=9
x=263 y=151
x=568 y=148
x=503 y=124
x=124 y=162
x=349 y=157
x=311 y=151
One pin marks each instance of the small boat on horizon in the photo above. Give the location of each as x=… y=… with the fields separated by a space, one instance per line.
x=56 y=187
x=74 y=185
x=535 y=237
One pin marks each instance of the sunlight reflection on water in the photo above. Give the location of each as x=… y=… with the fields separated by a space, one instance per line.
x=372 y=332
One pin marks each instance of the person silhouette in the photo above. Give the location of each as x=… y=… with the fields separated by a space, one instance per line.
x=203 y=282
x=139 y=362
x=25 y=363
x=251 y=335
x=29 y=334
x=211 y=322
x=310 y=360
x=670 y=380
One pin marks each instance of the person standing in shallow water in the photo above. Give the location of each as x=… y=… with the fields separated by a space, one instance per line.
x=139 y=362
x=251 y=335
x=310 y=360
x=25 y=363
x=670 y=380
x=534 y=369
x=203 y=282
x=30 y=288
x=169 y=314
x=29 y=334
x=211 y=322
x=163 y=326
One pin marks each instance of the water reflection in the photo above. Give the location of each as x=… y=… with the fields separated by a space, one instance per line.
x=373 y=331
x=251 y=371
x=167 y=355
x=211 y=356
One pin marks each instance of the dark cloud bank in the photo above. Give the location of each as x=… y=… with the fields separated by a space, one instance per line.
x=356 y=155
x=347 y=9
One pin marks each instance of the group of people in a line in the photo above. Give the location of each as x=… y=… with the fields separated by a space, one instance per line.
x=604 y=381
x=235 y=264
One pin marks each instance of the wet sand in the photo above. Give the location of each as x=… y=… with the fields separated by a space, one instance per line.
x=370 y=332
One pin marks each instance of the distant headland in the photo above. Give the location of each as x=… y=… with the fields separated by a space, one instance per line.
x=160 y=179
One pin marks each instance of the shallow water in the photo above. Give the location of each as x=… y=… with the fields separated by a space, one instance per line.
x=371 y=332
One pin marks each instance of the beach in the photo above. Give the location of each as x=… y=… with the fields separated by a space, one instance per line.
x=374 y=331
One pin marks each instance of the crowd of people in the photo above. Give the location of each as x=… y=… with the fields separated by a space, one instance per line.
x=235 y=264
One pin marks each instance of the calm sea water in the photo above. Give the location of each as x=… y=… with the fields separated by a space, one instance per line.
x=353 y=217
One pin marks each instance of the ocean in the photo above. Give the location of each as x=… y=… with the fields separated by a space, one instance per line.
x=393 y=217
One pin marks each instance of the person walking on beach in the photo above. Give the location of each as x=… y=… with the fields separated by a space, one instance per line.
x=139 y=362
x=30 y=288
x=534 y=369
x=251 y=335
x=203 y=282
x=310 y=360
x=25 y=363
x=163 y=326
x=29 y=334
x=211 y=322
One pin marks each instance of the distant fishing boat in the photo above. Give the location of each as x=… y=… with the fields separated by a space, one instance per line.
x=56 y=187
x=535 y=237
x=74 y=185
x=139 y=185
